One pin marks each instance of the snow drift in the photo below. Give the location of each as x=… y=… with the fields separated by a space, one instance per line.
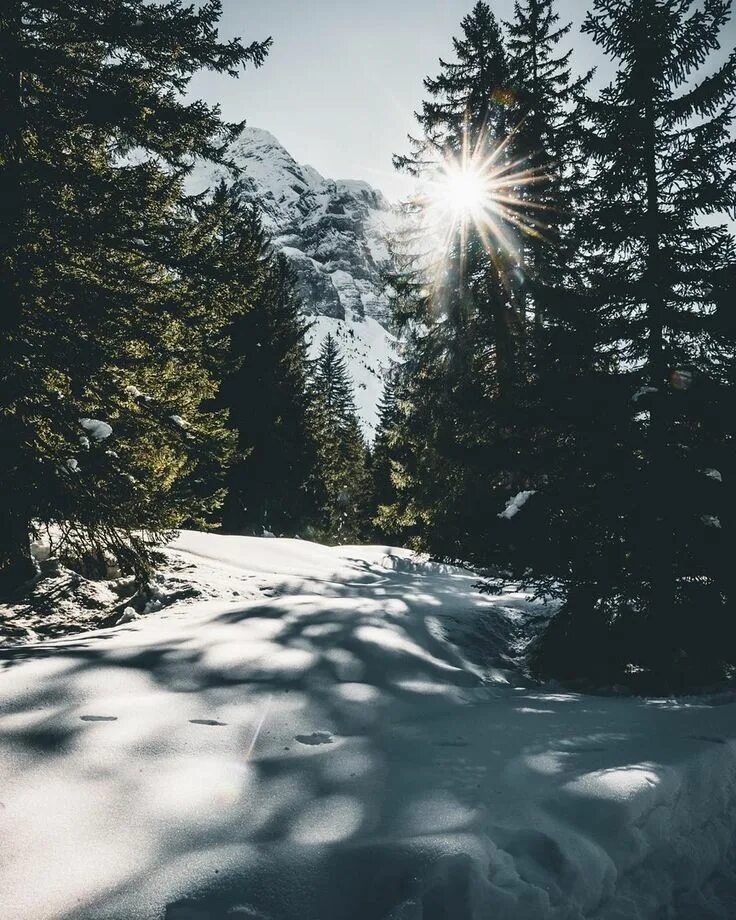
x=346 y=734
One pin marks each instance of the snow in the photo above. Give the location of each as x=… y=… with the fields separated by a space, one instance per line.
x=334 y=234
x=99 y=431
x=369 y=351
x=314 y=178
x=179 y=421
x=348 y=734
x=643 y=391
x=714 y=474
x=291 y=195
x=128 y=615
x=516 y=504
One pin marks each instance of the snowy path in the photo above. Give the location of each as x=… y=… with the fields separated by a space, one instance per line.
x=342 y=735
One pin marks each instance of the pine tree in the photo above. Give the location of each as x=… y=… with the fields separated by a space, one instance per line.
x=546 y=145
x=469 y=94
x=342 y=483
x=385 y=466
x=466 y=331
x=450 y=459
x=269 y=488
x=650 y=532
x=101 y=319
x=467 y=118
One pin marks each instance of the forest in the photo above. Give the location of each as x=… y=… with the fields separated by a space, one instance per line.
x=562 y=285
x=367 y=557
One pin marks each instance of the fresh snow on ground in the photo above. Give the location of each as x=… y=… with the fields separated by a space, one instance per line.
x=347 y=734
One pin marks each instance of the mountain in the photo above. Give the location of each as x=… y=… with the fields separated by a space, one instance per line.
x=334 y=234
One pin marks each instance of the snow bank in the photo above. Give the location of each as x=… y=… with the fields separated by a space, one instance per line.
x=347 y=734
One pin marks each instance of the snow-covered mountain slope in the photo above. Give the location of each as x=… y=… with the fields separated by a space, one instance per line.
x=369 y=351
x=334 y=235
x=347 y=734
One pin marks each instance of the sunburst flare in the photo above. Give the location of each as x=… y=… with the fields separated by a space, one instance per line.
x=482 y=192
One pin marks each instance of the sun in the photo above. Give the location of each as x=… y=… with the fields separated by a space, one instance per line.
x=481 y=191
x=462 y=191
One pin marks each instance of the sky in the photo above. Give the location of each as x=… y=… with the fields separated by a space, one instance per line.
x=344 y=77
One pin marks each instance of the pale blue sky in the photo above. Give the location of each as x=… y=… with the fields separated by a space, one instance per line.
x=344 y=77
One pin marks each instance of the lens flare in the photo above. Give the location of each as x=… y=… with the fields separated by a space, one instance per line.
x=483 y=194
x=462 y=192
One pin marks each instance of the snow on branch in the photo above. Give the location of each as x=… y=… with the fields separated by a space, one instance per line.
x=516 y=504
x=643 y=391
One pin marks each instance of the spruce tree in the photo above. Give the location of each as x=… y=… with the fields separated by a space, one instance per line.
x=342 y=485
x=101 y=319
x=545 y=143
x=649 y=533
x=269 y=487
x=467 y=118
x=469 y=94
x=466 y=324
x=383 y=463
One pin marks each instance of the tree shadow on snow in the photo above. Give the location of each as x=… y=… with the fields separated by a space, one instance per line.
x=239 y=822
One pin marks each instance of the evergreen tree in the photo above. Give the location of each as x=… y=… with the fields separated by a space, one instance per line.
x=269 y=488
x=466 y=331
x=546 y=145
x=342 y=483
x=101 y=319
x=465 y=121
x=469 y=94
x=382 y=463
x=647 y=521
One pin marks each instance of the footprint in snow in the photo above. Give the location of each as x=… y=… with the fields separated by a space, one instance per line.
x=206 y=722
x=315 y=738
x=709 y=738
x=99 y=718
x=193 y=910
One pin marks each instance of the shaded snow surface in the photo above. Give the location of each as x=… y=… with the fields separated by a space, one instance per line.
x=344 y=734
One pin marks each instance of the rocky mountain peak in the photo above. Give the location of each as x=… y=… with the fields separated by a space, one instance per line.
x=333 y=233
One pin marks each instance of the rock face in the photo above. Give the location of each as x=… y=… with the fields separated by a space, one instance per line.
x=334 y=236
x=333 y=232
